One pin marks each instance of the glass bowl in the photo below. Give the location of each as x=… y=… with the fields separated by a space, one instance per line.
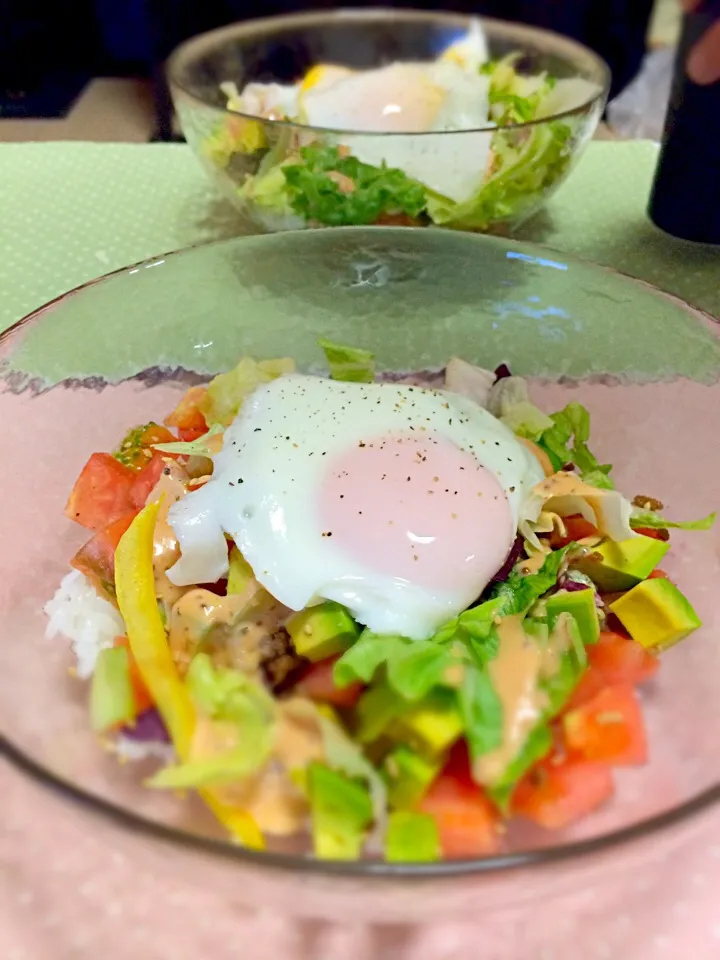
x=247 y=157
x=121 y=350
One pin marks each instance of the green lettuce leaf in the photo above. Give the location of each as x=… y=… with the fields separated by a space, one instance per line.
x=567 y=441
x=343 y=754
x=523 y=171
x=538 y=744
x=652 y=519
x=315 y=194
x=481 y=710
x=349 y=363
x=526 y=420
x=362 y=659
x=414 y=669
x=558 y=688
x=232 y=698
x=227 y=392
x=518 y=593
x=192 y=448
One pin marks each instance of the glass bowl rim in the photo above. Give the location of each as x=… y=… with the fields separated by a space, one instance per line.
x=187 y=52
x=377 y=869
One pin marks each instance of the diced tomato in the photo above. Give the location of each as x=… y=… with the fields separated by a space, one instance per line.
x=466 y=820
x=318 y=684
x=187 y=416
x=560 y=790
x=101 y=493
x=658 y=575
x=136 y=450
x=97 y=558
x=608 y=728
x=576 y=528
x=146 y=479
x=188 y=434
x=143 y=700
x=613 y=659
x=656 y=533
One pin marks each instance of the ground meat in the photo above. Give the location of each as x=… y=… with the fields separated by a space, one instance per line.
x=280 y=664
x=647 y=503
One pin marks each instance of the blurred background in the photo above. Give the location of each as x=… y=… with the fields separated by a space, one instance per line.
x=93 y=69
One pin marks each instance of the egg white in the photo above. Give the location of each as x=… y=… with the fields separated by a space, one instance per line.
x=267 y=477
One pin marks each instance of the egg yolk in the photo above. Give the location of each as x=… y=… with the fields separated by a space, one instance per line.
x=420 y=509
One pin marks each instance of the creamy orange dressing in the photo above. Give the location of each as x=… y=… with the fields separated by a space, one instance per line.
x=516 y=671
x=230 y=629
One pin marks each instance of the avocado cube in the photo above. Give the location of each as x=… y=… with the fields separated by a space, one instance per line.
x=411 y=838
x=374 y=712
x=656 y=614
x=581 y=606
x=408 y=776
x=240 y=573
x=322 y=631
x=619 y=565
x=431 y=726
x=112 y=701
x=341 y=811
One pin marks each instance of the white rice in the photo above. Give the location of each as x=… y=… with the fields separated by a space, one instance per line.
x=128 y=749
x=90 y=623
x=78 y=613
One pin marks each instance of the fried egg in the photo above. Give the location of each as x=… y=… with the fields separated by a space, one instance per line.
x=397 y=501
x=411 y=98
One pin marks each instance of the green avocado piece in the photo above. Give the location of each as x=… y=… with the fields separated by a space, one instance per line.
x=375 y=711
x=622 y=564
x=341 y=811
x=411 y=837
x=320 y=632
x=656 y=614
x=431 y=726
x=408 y=776
x=240 y=573
x=580 y=604
x=112 y=702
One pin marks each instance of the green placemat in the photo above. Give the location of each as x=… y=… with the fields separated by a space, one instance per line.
x=73 y=211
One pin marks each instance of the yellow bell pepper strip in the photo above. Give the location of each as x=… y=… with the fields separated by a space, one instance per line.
x=135 y=587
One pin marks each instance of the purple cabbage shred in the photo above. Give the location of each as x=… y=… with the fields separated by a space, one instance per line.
x=516 y=551
x=148 y=728
x=502 y=372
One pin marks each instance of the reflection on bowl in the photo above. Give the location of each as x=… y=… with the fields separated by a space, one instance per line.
x=648 y=370
x=386 y=117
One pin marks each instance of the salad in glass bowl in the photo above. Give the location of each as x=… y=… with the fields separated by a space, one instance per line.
x=387 y=615
x=386 y=117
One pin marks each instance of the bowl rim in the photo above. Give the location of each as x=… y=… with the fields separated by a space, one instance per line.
x=506 y=863
x=205 y=42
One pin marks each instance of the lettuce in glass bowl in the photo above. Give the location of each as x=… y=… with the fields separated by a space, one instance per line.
x=387 y=117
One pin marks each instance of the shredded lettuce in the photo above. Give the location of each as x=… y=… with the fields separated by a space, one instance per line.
x=192 y=448
x=338 y=190
x=482 y=711
x=518 y=593
x=414 y=667
x=349 y=363
x=558 y=688
x=653 y=520
x=343 y=754
x=566 y=441
x=238 y=708
x=227 y=392
x=522 y=172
